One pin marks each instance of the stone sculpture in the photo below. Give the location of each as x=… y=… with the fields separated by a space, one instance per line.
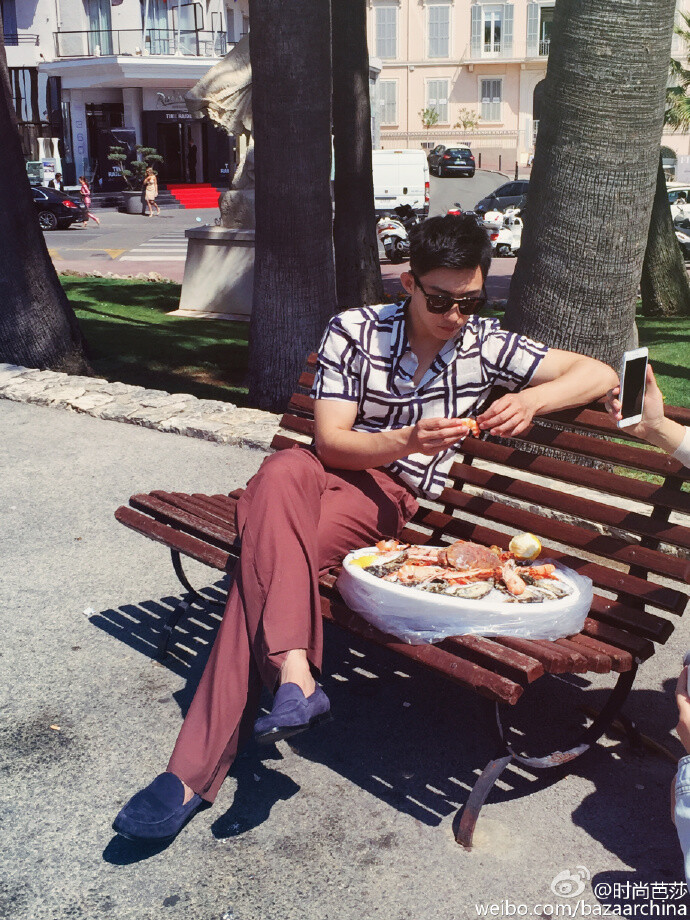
x=224 y=95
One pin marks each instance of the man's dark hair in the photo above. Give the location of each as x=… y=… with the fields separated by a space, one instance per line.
x=453 y=241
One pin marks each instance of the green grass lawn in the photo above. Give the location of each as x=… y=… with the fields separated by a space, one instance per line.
x=668 y=341
x=133 y=340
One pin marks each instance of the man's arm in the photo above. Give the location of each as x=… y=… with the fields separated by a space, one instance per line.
x=563 y=379
x=338 y=446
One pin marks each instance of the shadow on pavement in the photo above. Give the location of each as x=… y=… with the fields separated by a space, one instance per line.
x=417 y=743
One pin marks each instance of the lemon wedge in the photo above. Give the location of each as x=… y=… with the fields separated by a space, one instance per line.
x=525 y=546
x=363 y=561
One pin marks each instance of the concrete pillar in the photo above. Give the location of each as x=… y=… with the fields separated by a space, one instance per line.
x=133 y=106
x=79 y=135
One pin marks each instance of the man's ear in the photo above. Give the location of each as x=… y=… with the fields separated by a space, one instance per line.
x=408 y=282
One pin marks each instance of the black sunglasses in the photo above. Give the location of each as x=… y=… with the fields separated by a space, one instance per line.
x=442 y=303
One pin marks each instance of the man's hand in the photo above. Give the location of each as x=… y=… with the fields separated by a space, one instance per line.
x=433 y=435
x=510 y=415
x=683 y=703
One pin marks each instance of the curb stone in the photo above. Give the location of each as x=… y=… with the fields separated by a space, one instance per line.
x=174 y=413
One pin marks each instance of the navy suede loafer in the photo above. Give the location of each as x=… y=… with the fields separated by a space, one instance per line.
x=292 y=713
x=157 y=812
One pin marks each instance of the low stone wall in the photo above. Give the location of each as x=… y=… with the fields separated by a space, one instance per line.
x=177 y=413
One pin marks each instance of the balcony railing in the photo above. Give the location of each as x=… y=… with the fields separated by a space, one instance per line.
x=502 y=50
x=98 y=42
x=19 y=38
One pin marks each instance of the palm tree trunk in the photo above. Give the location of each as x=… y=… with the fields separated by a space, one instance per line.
x=664 y=285
x=294 y=282
x=357 y=266
x=592 y=183
x=38 y=327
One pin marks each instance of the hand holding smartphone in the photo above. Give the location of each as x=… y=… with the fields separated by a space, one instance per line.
x=632 y=386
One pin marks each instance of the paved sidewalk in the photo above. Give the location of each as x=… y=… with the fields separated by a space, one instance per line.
x=348 y=822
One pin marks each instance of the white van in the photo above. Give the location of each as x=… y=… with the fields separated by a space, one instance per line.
x=400 y=177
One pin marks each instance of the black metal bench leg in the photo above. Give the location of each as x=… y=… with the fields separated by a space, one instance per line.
x=169 y=627
x=182 y=607
x=484 y=785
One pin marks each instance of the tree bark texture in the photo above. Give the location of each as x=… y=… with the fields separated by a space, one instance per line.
x=294 y=286
x=592 y=183
x=38 y=327
x=664 y=285
x=357 y=266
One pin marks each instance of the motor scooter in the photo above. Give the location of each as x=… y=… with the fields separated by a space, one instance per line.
x=505 y=230
x=407 y=215
x=392 y=238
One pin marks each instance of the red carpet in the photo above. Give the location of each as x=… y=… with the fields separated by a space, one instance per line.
x=201 y=195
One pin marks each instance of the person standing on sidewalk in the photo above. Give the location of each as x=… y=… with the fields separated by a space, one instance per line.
x=393 y=383
x=85 y=193
x=151 y=191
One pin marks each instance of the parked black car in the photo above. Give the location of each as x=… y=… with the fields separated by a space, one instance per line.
x=510 y=195
x=56 y=209
x=451 y=161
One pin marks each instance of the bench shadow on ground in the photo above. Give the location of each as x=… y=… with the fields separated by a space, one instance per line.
x=418 y=743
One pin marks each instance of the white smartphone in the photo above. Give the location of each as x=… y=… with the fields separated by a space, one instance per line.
x=633 y=376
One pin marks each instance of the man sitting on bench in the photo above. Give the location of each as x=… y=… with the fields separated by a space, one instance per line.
x=392 y=385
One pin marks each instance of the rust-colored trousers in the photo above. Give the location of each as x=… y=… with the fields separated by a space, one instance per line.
x=296 y=519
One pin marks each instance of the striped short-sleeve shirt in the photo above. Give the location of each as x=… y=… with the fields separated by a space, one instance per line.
x=365 y=357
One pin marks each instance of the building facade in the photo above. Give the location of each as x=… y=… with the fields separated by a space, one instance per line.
x=468 y=60
x=99 y=73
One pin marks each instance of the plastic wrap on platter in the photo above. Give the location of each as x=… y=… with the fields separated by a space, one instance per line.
x=424 y=602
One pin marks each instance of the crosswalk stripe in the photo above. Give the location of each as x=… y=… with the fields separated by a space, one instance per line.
x=157 y=259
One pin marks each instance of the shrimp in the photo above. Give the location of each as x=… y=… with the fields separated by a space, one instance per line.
x=472 y=425
x=511 y=579
x=388 y=546
x=547 y=570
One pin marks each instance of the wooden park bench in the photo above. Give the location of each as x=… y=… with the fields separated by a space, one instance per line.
x=563 y=480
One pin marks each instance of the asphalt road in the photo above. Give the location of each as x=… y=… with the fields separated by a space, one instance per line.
x=444 y=193
x=130 y=243
x=352 y=821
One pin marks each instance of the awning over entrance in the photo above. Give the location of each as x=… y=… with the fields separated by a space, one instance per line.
x=123 y=71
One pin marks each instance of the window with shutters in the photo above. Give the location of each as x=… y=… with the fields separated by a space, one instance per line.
x=491 y=30
x=438 y=30
x=388 y=100
x=545 y=24
x=492 y=16
x=491 y=100
x=386 y=26
x=437 y=98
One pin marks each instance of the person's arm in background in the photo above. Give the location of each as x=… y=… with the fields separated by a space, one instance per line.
x=681 y=808
x=654 y=428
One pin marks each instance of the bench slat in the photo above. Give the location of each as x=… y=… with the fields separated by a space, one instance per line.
x=554 y=659
x=638 y=458
x=580 y=538
x=172 y=538
x=620 y=660
x=515 y=665
x=577 y=505
x=640 y=649
x=466 y=673
x=201 y=505
x=204 y=529
x=594 y=660
x=631 y=619
x=571 y=473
